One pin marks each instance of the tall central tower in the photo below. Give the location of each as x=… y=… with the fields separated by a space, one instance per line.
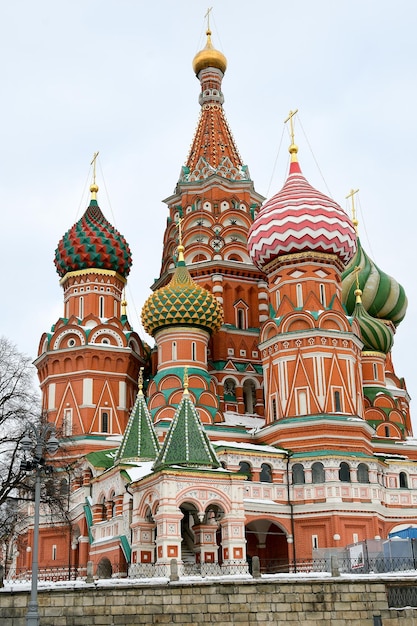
x=216 y=202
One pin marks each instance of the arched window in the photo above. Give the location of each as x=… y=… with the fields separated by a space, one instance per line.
x=363 y=473
x=245 y=468
x=229 y=389
x=113 y=504
x=403 y=480
x=317 y=473
x=103 y=509
x=298 y=477
x=344 y=472
x=240 y=318
x=266 y=473
x=249 y=396
x=337 y=402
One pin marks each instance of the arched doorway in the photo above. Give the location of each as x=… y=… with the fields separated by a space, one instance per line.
x=188 y=521
x=267 y=540
x=249 y=395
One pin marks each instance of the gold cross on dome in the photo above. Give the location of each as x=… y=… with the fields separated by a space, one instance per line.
x=207 y=15
x=93 y=163
x=140 y=380
x=351 y=195
x=178 y=225
x=290 y=120
x=185 y=380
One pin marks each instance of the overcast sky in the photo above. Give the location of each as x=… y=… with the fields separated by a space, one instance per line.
x=115 y=76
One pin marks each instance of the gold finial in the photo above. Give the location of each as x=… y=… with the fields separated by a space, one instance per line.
x=180 y=247
x=186 y=381
x=293 y=149
x=358 y=290
x=351 y=195
x=140 y=382
x=94 y=186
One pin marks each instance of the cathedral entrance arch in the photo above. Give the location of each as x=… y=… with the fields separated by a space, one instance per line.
x=267 y=540
x=189 y=520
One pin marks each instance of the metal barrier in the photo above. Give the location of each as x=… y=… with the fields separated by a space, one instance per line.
x=402 y=596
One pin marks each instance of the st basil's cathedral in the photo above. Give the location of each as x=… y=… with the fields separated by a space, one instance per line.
x=267 y=419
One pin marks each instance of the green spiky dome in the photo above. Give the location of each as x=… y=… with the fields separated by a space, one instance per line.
x=375 y=334
x=181 y=302
x=93 y=243
x=382 y=296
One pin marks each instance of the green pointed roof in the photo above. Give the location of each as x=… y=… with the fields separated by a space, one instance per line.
x=187 y=443
x=139 y=440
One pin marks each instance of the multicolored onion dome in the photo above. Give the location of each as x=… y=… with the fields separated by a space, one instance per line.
x=382 y=295
x=93 y=243
x=209 y=57
x=181 y=302
x=299 y=219
x=376 y=335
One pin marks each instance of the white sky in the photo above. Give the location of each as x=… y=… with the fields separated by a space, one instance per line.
x=115 y=76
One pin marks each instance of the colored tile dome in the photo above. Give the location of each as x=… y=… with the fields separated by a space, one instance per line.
x=93 y=243
x=300 y=219
x=209 y=57
x=181 y=302
x=382 y=295
x=375 y=334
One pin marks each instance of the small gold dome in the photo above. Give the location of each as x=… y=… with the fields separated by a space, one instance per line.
x=209 y=57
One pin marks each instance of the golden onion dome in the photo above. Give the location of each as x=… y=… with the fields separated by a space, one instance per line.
x=182 y=303
x=209 y=57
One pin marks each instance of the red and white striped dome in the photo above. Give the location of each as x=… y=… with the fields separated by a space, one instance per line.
x=300 y=219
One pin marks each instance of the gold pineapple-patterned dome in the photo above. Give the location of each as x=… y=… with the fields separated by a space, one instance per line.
x=181 y=302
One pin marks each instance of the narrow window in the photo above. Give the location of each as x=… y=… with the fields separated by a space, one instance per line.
x=375 y=366
x=299 y=292
x=403 y=480
x=278 y=298
x=274 y=409
x=67 y=423
x=174 y=350
x=240 y=318
x=355 y=537
x=337 y=403
x=302 y=402
x=386 y=431
x=104 y=422
x=81 y=307
x=101 y=306
x=315 y=542
x=193 y=351
x=54 y=552
x=323 y=295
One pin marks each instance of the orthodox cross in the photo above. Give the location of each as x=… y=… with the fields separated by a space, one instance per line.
x=207 y=15
x=93 y=163
x=140 y=380
x=351 y=195
x=290 y=120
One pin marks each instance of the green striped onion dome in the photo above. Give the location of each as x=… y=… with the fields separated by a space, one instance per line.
x=181 y=302
x=383 y=296
x=93 y=243
x=375 y=334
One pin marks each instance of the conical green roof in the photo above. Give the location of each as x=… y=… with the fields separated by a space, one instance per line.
x=186 y=443
x=139 y=440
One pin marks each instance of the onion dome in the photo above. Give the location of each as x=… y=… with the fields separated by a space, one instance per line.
x=375 y=334
x=181 y=302
x=300 y=219
x=383 y=297
x=93 y=243
x=209 y=57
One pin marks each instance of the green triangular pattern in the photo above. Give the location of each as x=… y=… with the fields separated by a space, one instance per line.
x=139 y=440
x=186 y=443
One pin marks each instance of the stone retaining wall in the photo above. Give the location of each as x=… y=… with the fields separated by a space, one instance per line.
x=283 y=602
